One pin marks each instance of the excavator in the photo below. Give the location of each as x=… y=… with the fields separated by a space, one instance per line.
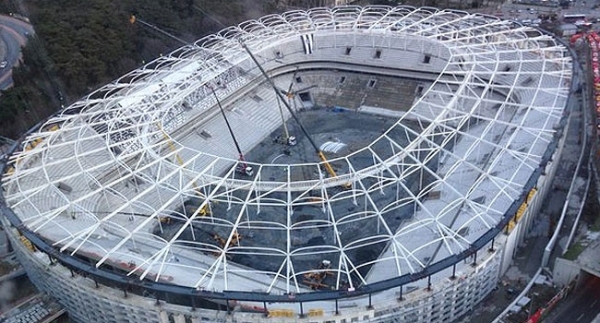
x=235 y=240
x=242 y=167
x=318 y=151
x=203 y=211
x=314 y=279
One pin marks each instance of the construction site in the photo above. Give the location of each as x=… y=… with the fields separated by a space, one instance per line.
x=368 y=164
x=337 y=131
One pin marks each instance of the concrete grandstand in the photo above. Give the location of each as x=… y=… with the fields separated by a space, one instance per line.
x=440 y=130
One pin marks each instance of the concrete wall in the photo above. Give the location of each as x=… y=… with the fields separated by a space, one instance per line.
x=87 y=303
x=450 y=300
x=564 y=271
x=447 y=300
x=544 y=185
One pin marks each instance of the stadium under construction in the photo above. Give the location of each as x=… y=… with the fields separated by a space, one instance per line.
x=332 y=165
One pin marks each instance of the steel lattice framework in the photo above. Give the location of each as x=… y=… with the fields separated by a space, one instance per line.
x=99 y=178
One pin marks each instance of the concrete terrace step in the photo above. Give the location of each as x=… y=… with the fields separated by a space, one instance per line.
x=395 y=95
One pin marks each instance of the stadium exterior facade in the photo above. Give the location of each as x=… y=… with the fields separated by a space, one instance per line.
x=84 y=191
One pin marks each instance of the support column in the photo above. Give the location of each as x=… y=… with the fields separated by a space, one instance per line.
x=429 y=283
x=491 y=249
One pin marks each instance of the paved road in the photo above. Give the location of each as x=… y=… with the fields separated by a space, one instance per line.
x=13 y=33
x=519 y=11
x=580 y=307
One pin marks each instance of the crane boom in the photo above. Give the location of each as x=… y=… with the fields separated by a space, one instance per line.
x=244 y=169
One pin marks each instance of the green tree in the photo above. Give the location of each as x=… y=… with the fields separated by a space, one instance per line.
x=81 y=45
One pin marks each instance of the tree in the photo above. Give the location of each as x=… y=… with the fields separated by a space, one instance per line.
x=81 y=45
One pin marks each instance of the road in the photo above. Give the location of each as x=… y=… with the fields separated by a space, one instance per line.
x=521 y=11
x=13 y=34
x=581 y=306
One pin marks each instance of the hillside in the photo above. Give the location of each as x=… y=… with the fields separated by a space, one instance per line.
x=81 y=45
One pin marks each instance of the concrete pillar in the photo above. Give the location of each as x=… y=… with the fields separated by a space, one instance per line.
x=180 y=318
x=163 y=317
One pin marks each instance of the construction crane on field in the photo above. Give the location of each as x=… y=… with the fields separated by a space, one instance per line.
x=290 y=94
x=287 y=139
x=318 y=151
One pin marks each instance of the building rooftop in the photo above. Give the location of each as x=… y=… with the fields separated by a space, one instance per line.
x=36 y=309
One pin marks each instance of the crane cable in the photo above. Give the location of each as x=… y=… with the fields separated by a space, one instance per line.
x=237 y=145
